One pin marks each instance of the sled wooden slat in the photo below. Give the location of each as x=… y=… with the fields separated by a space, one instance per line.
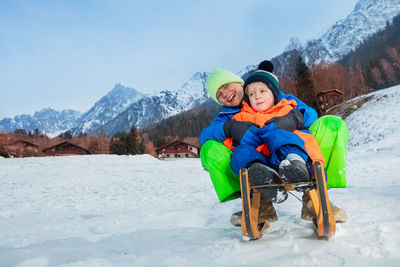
x=324 y=220
x=250 y=208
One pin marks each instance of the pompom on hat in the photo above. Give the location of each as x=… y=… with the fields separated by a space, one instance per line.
x=266 y=65
x=264 y=74
x=219 y=77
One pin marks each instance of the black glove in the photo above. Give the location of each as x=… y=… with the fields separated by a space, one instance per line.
x=292 y=121
x=237 y=129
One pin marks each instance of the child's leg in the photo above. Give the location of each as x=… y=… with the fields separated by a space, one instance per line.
x=332 y=134
x=292 y=152
x=260 y=173
x=215 y=158
x=281 y=143
x=294 y=168
x=244 y=156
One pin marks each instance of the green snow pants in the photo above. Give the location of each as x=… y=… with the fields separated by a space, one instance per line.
x=330 y=132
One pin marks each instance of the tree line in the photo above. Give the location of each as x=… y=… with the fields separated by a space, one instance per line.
x=379 y=57
x=185 y=126
x=96 y=144
x=121 y=143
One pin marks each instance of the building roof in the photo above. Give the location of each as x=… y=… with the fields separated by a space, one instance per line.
x=24 y=142
x=175 y=143
x=330 y=91
x=175 y=151
x=64 y=144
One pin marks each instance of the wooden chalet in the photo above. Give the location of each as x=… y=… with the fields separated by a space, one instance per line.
x=329 y=98
x=22 y=148
x=65 y=148
x=178 y=149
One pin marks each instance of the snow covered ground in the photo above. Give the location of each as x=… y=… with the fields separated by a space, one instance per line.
x=108 y=210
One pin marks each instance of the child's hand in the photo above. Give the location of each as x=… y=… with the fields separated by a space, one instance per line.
x=237 y=129
x=266 y=132
x=251 y=137
x=290 y=122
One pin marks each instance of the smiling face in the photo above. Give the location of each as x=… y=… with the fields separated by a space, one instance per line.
x=230 y=94
x=260 y=96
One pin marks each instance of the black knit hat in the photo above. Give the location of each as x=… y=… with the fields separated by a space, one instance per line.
x=264 y=74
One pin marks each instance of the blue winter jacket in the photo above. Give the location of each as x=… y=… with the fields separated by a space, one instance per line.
x=215 y=131
x=280 y=143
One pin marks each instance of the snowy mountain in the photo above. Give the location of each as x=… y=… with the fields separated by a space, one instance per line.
x=109 y=210
x=367 y=18
x=46 y=120
x=120 y=109
x=161 y=105
x=124 y=107
x=106 y=109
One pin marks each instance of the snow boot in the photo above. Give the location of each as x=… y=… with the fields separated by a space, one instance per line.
x=293 y=169
x=260 y=174
x=267 y=213
x=338 y=213
x=307 y=211
x=236 y=219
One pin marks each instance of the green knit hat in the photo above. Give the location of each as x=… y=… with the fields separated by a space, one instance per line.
x=219 y=77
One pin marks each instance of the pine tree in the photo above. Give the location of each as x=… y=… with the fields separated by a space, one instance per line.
x=305 y=86
x=21 y=132
x=123 y=143
x=133 y=142
x=161 y=141
x=117 y=144
x=376 y=76
x=382 y=72
x=66 y=135
x=36 y=133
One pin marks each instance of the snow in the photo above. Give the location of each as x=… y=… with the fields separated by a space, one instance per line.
x=108 y=210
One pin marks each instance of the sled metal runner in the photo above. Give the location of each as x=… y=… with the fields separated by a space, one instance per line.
x=323 y=221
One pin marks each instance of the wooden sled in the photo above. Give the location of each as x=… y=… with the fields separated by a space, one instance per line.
x=324 y=221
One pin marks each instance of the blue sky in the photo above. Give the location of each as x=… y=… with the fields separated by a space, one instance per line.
x=67 y=54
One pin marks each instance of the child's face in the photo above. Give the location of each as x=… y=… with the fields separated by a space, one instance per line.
x=260 y=96
x=230 y=94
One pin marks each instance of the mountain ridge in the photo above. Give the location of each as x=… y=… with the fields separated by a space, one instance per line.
x=124 y=107
x=47 y=118
x=367 y=18
x=106 y=109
